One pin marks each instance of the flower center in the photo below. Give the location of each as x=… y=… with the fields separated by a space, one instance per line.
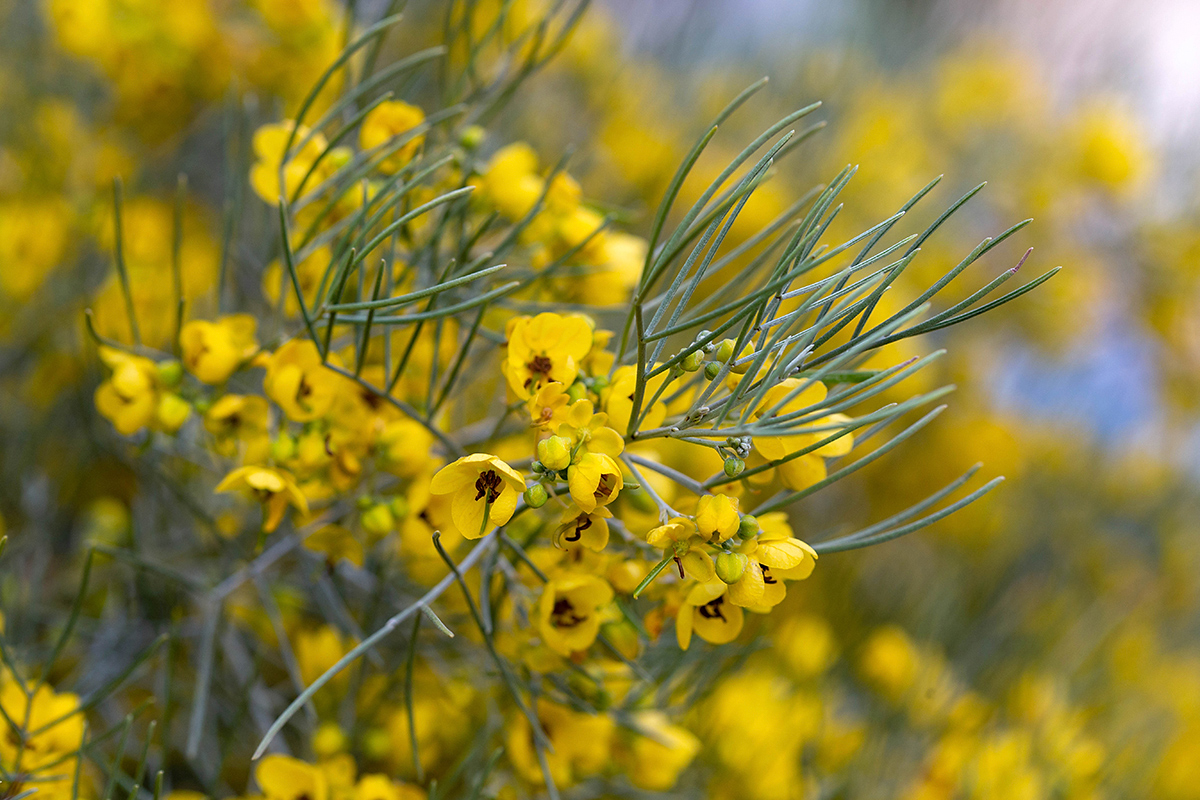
x=712 y=609
x=766 y=571
x=563 y=615
x=487 y=485
x=606 y=485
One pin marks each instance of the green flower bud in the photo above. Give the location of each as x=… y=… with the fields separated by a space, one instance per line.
x=730 y=566
x=734 y=466
x=283 y=449
x=537 y=468
x=748 y=528
x=554 y=452
x=364 y=502
x=711 y=370
x=576 y=391
x=170 y=373
x=378 y=520
x=536 y=496
x=725 y=350
x=693 y=361
x=471 y=137
x=599 y=382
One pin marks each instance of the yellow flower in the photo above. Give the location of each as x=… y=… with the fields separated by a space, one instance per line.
x=548 y=407
x=212 y=351
x=581 y=744
x=269 y=143
x=240 y=422
x=286 y=778
x=589 y=429
x=129 y=398
x=707 y=611
x=475 y=484
x=545 y=348
x=659 y=756
x=404 y=446
x=275 y=489
x=802 y=471
x=617 y=399
x=889 y=661
x=299 y=383
x=595 y=480
x=678 y=536
x=336 y=543
x=47 y=749
x=510 y=182
x=717 y=516
x=583 y=529
x=386 y=121
x=309 y=272
x=569 y=611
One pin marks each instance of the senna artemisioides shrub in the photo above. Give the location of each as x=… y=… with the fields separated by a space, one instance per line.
x=468 y=491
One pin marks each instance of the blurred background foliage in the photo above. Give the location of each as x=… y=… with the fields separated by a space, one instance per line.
x=1041 y=643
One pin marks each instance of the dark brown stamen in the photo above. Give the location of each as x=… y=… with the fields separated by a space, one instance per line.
x=488 y=484
x=712 y=609
x=563 y=615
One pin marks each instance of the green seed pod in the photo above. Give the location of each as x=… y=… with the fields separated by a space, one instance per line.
x=734 y=466
x=711 y=370
x=536 y=496
x=730 y=566
x=693 y=361
x=170 y=373
x=748 y=528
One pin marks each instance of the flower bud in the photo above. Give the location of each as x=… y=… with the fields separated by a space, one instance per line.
x=730 y=567
x=170 y=373
x=711 y=370
x=734 y=466
x=748 y=528
x=283 y=449
x=378 y=520
x=364 y=502
x=471 y=137
x=576 y=391
x=724 y=350
x=693 y=361
x=172 y=412
x=599 y=382
x=554 y=452
x=536 y=496
x=537 y=468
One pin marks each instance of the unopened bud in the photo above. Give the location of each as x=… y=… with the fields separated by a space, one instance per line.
x=471 y=137
x=711 y=370
x=748 y=528
x=734 y=466
x=576 y=391
x=554 y=452
x=730 y=566
x=725 y=350
x=536 y=496
x=170 y=373
x=378 y=520
x=692 y=361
